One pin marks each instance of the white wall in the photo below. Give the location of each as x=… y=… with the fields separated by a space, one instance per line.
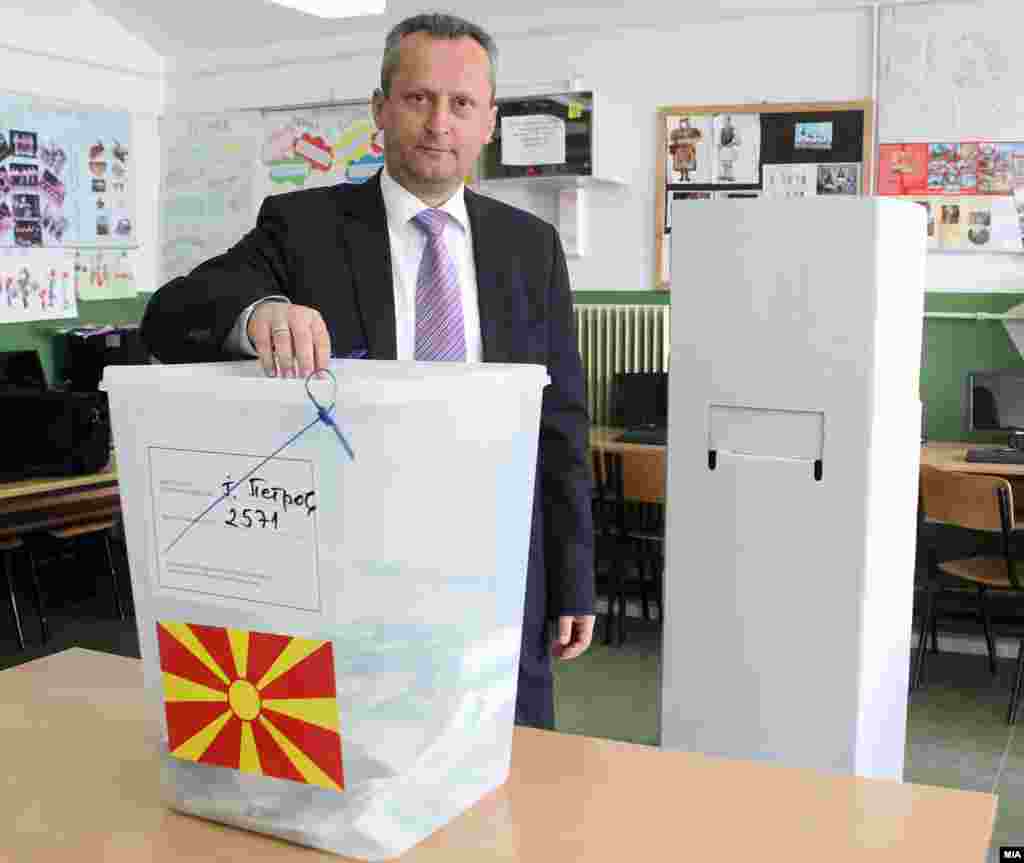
x=806 y=56
x=69 y=52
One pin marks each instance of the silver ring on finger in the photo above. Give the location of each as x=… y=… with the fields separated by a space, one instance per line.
x=278 y=331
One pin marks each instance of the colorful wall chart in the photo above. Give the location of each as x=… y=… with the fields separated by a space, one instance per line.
x=65 y=176
x=206 y=188
x=973 y=191
x=319 y=147
x=36 y=285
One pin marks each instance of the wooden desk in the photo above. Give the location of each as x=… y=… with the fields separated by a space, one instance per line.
x=81 y=782
x=950 y=455
x=36 y=504
x=643 y=476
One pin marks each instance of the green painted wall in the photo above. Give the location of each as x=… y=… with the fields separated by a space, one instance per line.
x=952 y=347
x=40 y=335
x=955 y=346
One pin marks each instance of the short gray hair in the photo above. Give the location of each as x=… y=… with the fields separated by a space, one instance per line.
x=439 y=26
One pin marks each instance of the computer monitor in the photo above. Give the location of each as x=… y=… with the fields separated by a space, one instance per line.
x=22 y=370
x=994 y=402
x=640 y=399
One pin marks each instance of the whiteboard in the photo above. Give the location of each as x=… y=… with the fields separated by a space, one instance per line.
x=951 y=72
x=208 y=163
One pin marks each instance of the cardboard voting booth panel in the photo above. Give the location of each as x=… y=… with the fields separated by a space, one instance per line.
x=793 y=450
x=331 y=642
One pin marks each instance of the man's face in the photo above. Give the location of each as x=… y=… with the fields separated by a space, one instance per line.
x=438 y=115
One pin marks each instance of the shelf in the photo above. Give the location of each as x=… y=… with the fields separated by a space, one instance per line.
x=572 y=206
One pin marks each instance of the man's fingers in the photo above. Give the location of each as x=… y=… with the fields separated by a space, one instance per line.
x=290 y=339
x=302 y=338
x=281 y=338
x=321 y=344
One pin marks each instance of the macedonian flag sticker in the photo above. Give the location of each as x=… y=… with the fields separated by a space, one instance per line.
x=252 y=701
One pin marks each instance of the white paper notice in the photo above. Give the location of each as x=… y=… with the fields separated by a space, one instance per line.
x=537 y=139
x=259 y=544
x=790 y=181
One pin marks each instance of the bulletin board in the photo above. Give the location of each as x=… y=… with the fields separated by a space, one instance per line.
x=764 y=150
x=67 y=202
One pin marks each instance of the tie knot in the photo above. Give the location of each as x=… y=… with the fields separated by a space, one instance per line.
x=432 y=221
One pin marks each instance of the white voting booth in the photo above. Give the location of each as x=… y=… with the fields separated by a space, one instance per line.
x=793 y=449
x=330 y=645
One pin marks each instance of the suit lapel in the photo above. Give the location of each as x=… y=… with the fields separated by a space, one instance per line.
x=488 y=256
x=364 y=234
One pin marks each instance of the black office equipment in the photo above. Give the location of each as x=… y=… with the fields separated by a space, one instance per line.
x=53 y=433
x=90 y=351
x=995 y=455
x=22 y=370
x=657 y=436
x=639 y=400
x=994 y=401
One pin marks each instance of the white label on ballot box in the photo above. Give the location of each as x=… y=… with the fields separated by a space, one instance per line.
x=258 y=544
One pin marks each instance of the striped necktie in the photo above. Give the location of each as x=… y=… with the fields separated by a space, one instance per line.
x=440 y=334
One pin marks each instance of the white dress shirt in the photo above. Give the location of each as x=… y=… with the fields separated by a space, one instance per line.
x=408 y=242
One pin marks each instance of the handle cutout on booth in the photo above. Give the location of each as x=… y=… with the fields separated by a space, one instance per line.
x=751 y=432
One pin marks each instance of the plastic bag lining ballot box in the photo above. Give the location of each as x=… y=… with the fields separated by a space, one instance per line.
x=332 y=649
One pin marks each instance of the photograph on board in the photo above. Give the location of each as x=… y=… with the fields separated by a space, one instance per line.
x=689 y=148
x=812 y=136
x=737 y=148
x=838 y=179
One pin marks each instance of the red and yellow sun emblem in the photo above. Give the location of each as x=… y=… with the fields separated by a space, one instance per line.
x=253 y=701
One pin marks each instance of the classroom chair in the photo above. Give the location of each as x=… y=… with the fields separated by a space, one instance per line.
x=983 y=505
x=625 y=562
x=71 y=537
x=9 y=547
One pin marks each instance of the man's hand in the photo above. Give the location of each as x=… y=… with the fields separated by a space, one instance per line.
x=574 y=636
x=289 y=338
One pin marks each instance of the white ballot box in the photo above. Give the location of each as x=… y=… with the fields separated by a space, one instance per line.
x=793 y=450
x=331 y=644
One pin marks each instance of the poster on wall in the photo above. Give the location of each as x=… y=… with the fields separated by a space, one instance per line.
x=318 y=147
x=969 y=188
x=65 y=176
x=737 y=147
x=36 y=285
x=689 y=154
x=208 y=166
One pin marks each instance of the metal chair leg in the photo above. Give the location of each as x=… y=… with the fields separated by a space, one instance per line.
x=1011 y=716
x=113 y=574
x=922 y=641
x=9 y=572
x=987 y=624
x=37 y=595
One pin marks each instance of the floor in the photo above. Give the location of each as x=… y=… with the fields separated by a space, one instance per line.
x=957 y=733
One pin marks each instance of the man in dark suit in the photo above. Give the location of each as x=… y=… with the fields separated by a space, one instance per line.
x=339 y=271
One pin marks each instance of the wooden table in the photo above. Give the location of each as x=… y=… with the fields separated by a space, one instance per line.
x=80 y=781
x=950 y=455
x=37 y=504
x=643 y=475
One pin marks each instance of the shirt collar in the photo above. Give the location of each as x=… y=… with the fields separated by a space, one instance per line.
x=401 y=205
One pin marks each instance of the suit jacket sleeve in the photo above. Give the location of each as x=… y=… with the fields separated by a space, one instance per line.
x=189 y=318
x=563 y=457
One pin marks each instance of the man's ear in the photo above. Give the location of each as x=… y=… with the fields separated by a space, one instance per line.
x=376 y=102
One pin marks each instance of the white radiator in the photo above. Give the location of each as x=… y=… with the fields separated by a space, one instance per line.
x=619 y=338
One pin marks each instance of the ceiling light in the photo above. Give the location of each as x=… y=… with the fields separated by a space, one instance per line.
x=334 y=8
